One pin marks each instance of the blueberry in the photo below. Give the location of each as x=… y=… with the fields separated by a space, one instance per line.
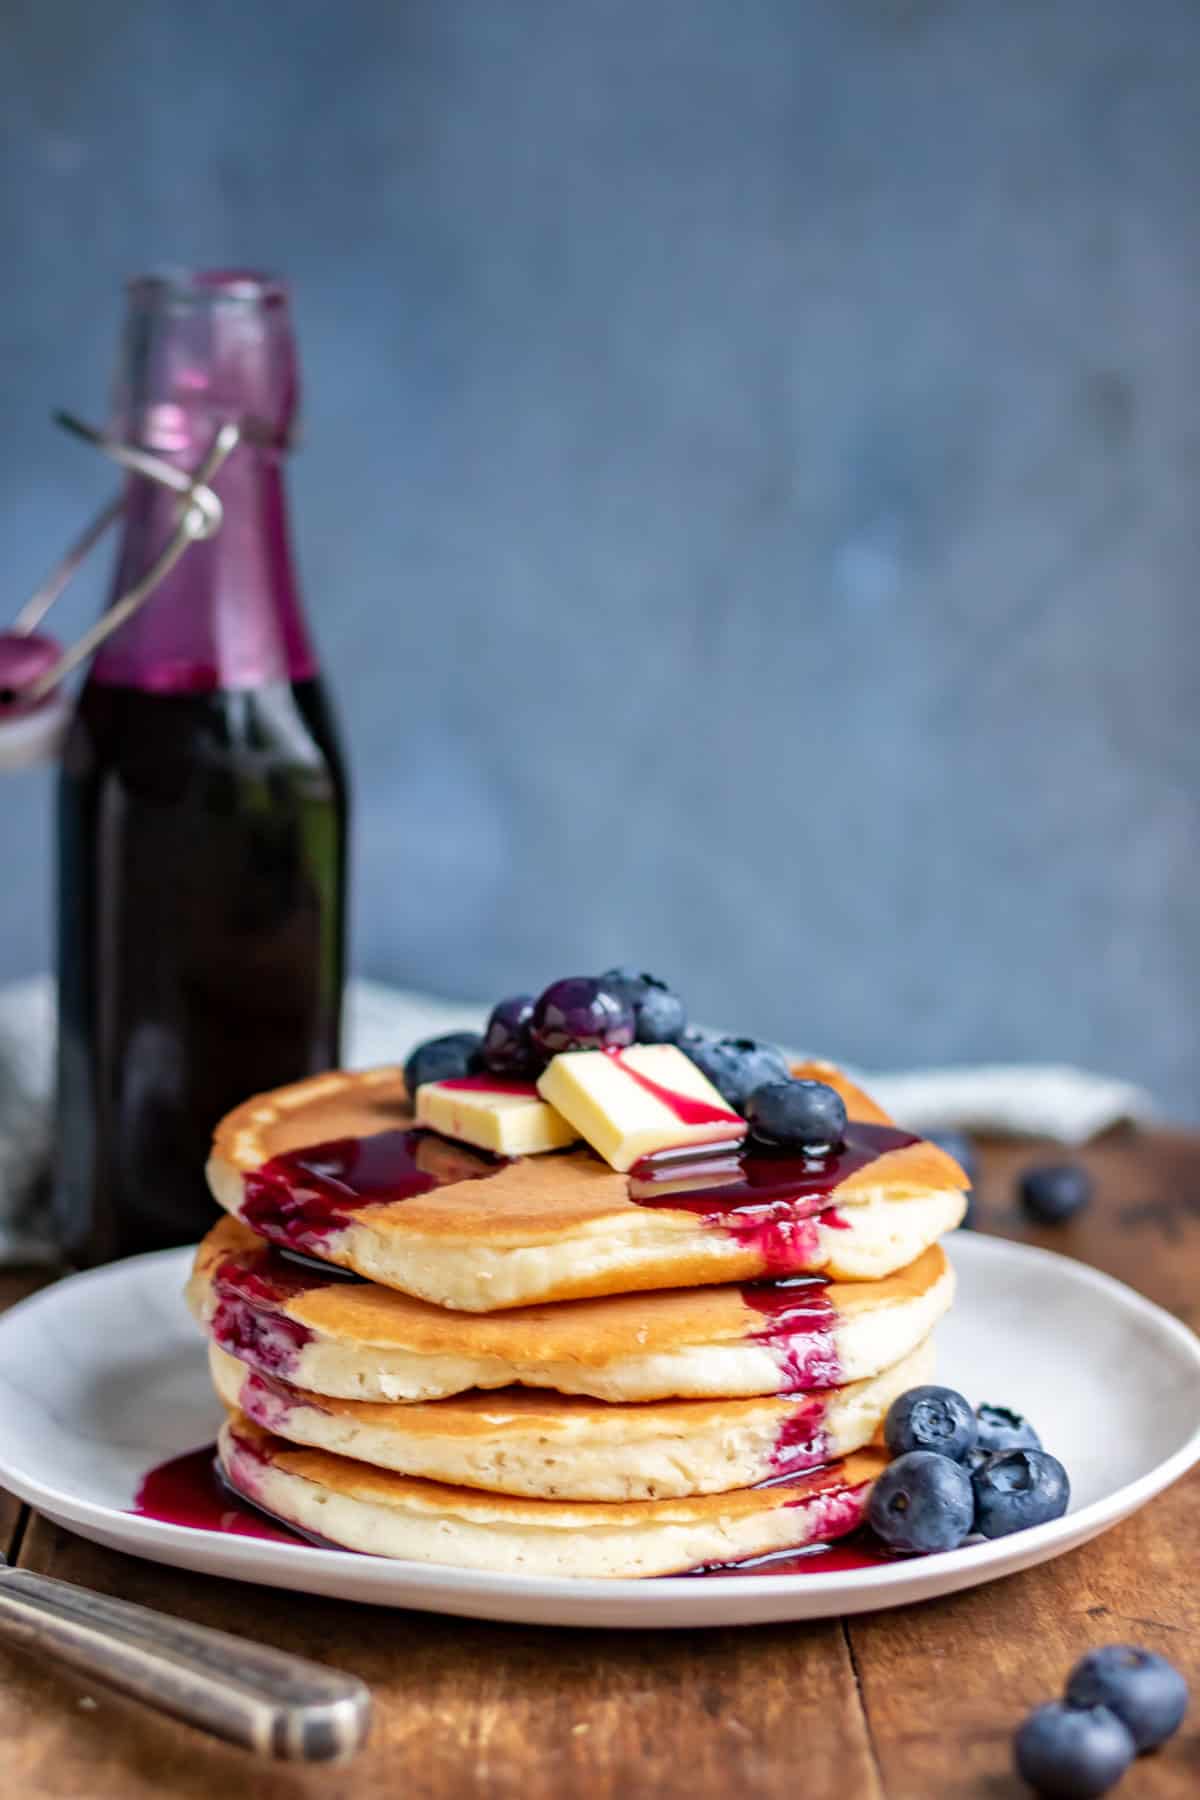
x=580 y=1013
x=1000 y=1429
x=931 y=1418
x=443 y=1059
x=805 y=1115
x=922 y=1501
x=1147 y=1693
x=1018 y=1488
x=1067 y=1753
x=1055 y=1192
x=659 y=1015
x=507 y=1046
x=735 y=1066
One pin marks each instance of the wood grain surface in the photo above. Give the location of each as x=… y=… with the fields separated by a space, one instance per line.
x=904 y=1705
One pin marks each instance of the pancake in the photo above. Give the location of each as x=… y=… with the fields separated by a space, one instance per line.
x=355 y=1341
x=335 y=1167
x=556 y=1447
x=352 y=1506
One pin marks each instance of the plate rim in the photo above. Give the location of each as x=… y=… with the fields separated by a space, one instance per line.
x=248 y=1558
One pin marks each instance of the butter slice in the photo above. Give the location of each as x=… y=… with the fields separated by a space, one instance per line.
x=512 y=1121
x=623 y=1120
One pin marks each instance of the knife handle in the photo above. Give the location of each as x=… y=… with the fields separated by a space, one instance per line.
x=266 y=1700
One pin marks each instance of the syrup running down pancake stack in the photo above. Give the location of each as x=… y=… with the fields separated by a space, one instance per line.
x=545 y=1364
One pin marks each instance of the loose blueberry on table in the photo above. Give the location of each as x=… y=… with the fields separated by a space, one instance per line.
x=1147 y=1693
x=1119 y=1702
x=1055 y=1192
x=1067 y=1753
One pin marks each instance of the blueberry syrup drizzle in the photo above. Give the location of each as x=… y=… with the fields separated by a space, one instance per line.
x=304 y=1197
x=490 y=1084
x=266 y=1401
x=247 y=1320
x=686 y=1108
x=801 y=1443
x=771 y=1201
x=755 y=1176
x=800 y=1328
x=839 y=1510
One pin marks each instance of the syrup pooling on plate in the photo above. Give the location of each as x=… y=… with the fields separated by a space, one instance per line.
x=858 y=1551
x=192 y=1490
x=303 y=1197
x=189 y=1490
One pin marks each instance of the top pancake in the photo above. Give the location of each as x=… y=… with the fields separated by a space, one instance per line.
x=563 y=1225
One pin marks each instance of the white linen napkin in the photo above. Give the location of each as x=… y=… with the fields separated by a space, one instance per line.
x=1047 y=1100
x=383 y=1023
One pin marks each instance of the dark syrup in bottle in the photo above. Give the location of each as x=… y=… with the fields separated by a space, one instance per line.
x=202 y=802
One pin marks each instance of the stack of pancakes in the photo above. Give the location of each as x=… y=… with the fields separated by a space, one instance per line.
x=534 y=1372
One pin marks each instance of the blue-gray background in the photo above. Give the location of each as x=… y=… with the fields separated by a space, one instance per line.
x=750 y=504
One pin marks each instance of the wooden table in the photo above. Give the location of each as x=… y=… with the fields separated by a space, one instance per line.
x=904 y=1705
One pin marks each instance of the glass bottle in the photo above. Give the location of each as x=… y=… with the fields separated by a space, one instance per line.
x=202 y=801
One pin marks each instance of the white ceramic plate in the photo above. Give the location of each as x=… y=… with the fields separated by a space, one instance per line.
x=103 y=1375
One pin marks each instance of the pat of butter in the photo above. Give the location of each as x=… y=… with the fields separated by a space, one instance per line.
x=634 y=1103
x=508 y=1118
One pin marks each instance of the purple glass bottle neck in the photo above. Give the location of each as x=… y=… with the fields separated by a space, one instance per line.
x=198 y=350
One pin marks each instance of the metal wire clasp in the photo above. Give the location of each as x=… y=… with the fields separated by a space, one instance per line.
x=200 y=517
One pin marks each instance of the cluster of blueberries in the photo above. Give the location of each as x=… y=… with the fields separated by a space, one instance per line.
x=1119 y=1703
x=626 y=1006
x=956 y=1472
